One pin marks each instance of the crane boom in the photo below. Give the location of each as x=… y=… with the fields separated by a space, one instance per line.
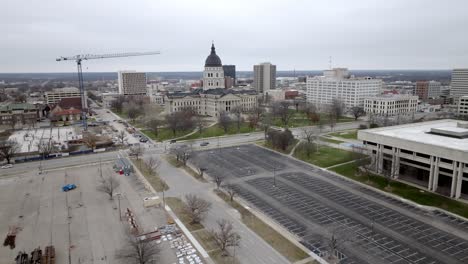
x=81 y=57
x=106 y=56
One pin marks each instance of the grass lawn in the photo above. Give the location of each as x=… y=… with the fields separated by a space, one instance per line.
x=331 y=140
x=269 y=145
x=404 y=190
x=158 y=184
x=300 y=119
x=352 y=134
x=215 y=131
x=164 y=134
x=326 y=156
x=271 y=236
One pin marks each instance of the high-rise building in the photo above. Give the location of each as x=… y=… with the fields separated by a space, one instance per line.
x=213 y=76
x=459 y=85
x=132 y=83
x=264 y=77
x=338 y=84
x=230 y=71
x=463 y=105
x=427 y=89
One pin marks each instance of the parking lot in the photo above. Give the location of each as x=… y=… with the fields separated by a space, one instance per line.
x=82 y=224
x=316 y=205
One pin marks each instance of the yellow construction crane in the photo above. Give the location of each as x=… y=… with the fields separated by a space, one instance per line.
x=81 y=57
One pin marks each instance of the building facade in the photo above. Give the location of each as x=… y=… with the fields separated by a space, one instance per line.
x=18 y=115
x=427 y=89
x=431 y=154
x=459 y=84
x=391 y=105
x=213 y=76
x=264 y=77
x=211 y=102
x=58 y=94
x=132 y=83
x=463 y=106
x=337 y=83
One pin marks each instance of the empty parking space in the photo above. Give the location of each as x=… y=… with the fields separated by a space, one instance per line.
x=317 y=206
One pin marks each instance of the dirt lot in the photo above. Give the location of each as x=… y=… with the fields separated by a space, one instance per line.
x=82 y=224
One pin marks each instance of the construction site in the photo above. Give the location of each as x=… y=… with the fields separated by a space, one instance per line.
x=45 y=223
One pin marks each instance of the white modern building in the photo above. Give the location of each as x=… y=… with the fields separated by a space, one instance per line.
x=433 y=155
x=459 y=84
x=132 y=83
x=56 y=95
x=337 y=83
x=213 y=76
x=264 y=77
x=391 y=104
x=463 y=106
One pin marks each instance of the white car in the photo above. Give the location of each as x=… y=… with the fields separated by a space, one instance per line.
x=7 y=166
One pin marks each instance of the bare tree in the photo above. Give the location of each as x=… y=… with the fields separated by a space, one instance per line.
x=196 y=208
x=200 y=123
x=172 y=122
x=154 y=124
x=45 y=148
x=138 y=251
x=133 y=111
x=237 y=111
x=225 y=236
x=136 y=151
x=231 y=191
x=218 y=180
x=224 y=121
x=117 y=104
x=266 y=123
x=337 y=107
x=121 y=136
x=152 y=165
x=310 y=111
x=182 y=153
x=91 y=140
x=108 y=185
x=8 y=149
x=357 y=111
x=281 y=109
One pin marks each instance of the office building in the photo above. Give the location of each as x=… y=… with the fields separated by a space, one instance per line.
x=213 y=76
x=459 y=84
x=132 y=83
x=427 y=89
x=430 y=154
x=264 y=77
x=338 y=83
x=391 y=105
x=54 y=96
x=230 y=71
x=18 y=115
x=463 y=106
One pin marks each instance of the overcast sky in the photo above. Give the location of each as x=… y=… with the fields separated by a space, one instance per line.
x=293 y=34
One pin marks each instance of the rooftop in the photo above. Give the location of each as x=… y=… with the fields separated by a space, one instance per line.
x=446 y=133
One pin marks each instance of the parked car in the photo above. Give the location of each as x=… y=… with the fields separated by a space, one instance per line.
x=204 y=144
x=7 y=166
x=68 y=187
x=143 y=139
x=173 y=141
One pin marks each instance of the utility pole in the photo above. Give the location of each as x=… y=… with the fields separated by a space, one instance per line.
x=120 y=213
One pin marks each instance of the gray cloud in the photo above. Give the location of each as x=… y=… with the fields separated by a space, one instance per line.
x=300 y=34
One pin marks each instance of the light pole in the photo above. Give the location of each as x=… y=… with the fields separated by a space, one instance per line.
x=274 y=175
x=118 y=201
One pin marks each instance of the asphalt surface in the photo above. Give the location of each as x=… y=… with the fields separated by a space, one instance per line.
x=316 y=205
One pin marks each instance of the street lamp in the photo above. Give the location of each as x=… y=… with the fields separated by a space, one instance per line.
x=118 y=199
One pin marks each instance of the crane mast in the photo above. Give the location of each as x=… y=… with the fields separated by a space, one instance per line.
x=79 y=58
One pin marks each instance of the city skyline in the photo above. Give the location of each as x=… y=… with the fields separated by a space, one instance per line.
x=362 y=35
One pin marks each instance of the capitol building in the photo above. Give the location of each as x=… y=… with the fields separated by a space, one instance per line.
x=213 y=97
